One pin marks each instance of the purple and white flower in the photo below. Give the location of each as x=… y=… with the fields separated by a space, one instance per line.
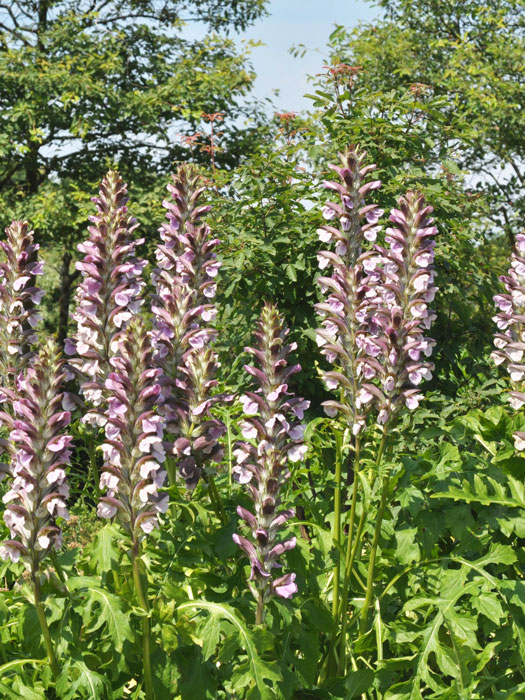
x=401 y=307
x=134 y=454
x=274 y=437
x=185 y=287
x=347 y=336
x=109 y=295
x=36 y=499
x=19 y=297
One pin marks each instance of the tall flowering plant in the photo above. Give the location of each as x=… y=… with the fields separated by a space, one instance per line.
x=347 y=335
x=19 y=297
x=274 y=436
x=402 y=313
x=109 y=294
x=510 y=340
x=134 y=454
x=374 y=322
x=183 y=309
x=36 y=499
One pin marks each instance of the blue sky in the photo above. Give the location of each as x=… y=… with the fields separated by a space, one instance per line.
x=293 y=22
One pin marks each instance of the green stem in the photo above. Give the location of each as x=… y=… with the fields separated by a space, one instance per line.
x=228 y=423
x=355 y=548
x=336 y=534
x=341 y=611
x=116 y=581
x=353 y=545
x=379 y=631
x=56 y=566
x=43 y=624
x=146 y=629
x=216 y=500
x=171 y=468
x=373 y=553
x=259 y=615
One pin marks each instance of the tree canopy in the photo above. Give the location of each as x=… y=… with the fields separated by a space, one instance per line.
x=465 y=58
x=84 y=86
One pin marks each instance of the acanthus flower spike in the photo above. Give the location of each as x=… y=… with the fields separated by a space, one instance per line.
x=109 y=294
x=19 y=297
x=273 y=436
x=347 y=337
x=183 y=309
x=134 y=455
x=197 y=432
x=355 y=219
x=402 y=307
x=133 y=450
x=39 y=454
x=510 y=338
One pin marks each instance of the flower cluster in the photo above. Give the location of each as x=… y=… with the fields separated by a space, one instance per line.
x=183 y=308
x=402 y=307
x=18 y=297
x=510 y=341
x=346 y=337
x=133 y=449
x=185 y=279
x=272 y=425
x=378 y=301
x=356 y=220
x=39 y=453
x=109 y=294
x=198 y=432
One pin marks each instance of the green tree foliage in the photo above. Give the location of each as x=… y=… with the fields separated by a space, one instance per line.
x=84 y=85
x=436 y=108
x=266 y=213
x=432 y=91
x=464 y=59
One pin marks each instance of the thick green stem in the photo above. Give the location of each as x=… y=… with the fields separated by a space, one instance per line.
x=216 y=500
x=336 y=534
x=353 y=546
x=171 y=469
x=259 y=615
x=341 y=611
x=146 y=629
x=379 y=631
x=229 y=448
x=373 y=553
x=43 y=624
x=357 y=542
x=377 y=533
x=350 y=539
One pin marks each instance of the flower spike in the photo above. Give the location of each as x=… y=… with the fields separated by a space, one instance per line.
x=109 y=294
x=18 y=299
x=133 y=450
x=402 y=307
x=510 y=340
x=346 y=338
x=183 y=308
x=273 y=436
x=39 y=453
